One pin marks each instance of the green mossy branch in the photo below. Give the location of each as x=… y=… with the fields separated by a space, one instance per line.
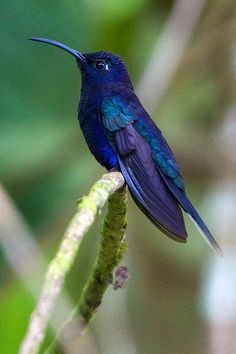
x=110 y=253
x=112 y=248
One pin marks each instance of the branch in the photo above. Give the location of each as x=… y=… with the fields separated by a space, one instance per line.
x=88 y=207
x=112 y=249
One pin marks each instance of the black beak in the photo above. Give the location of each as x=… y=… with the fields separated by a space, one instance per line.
x=76 y=54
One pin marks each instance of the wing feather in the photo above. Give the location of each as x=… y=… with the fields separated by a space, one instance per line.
x=146 y=184
x=149 y=166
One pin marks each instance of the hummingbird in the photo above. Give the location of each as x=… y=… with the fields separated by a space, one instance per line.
x=122 y=136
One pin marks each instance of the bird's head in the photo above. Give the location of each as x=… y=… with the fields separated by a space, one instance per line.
x=98 y=68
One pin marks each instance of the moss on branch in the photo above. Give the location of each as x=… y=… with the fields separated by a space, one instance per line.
x=111 y=250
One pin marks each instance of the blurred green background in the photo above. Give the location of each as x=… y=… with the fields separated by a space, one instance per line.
x=45 y=164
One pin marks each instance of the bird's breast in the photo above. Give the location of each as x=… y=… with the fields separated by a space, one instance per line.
x=95 y=137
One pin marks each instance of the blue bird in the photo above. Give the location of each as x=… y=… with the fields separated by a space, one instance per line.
x=122 y=136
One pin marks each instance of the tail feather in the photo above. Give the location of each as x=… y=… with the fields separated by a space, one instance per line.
x=187 y=206
x=203 y=229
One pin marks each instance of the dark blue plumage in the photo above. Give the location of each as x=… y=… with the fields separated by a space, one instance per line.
x=121 y=135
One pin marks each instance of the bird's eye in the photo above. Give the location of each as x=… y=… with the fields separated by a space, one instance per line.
x=101 y=65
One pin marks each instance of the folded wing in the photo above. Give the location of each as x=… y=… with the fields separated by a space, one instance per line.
x=149 y=167
x=146 y=185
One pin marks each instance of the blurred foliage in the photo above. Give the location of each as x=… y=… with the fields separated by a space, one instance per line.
x=45 y=164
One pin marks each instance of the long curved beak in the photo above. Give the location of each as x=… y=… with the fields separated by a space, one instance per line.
x=74 y=52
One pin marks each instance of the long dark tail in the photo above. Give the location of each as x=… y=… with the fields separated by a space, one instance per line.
x=187 y=206
x=203 y=229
